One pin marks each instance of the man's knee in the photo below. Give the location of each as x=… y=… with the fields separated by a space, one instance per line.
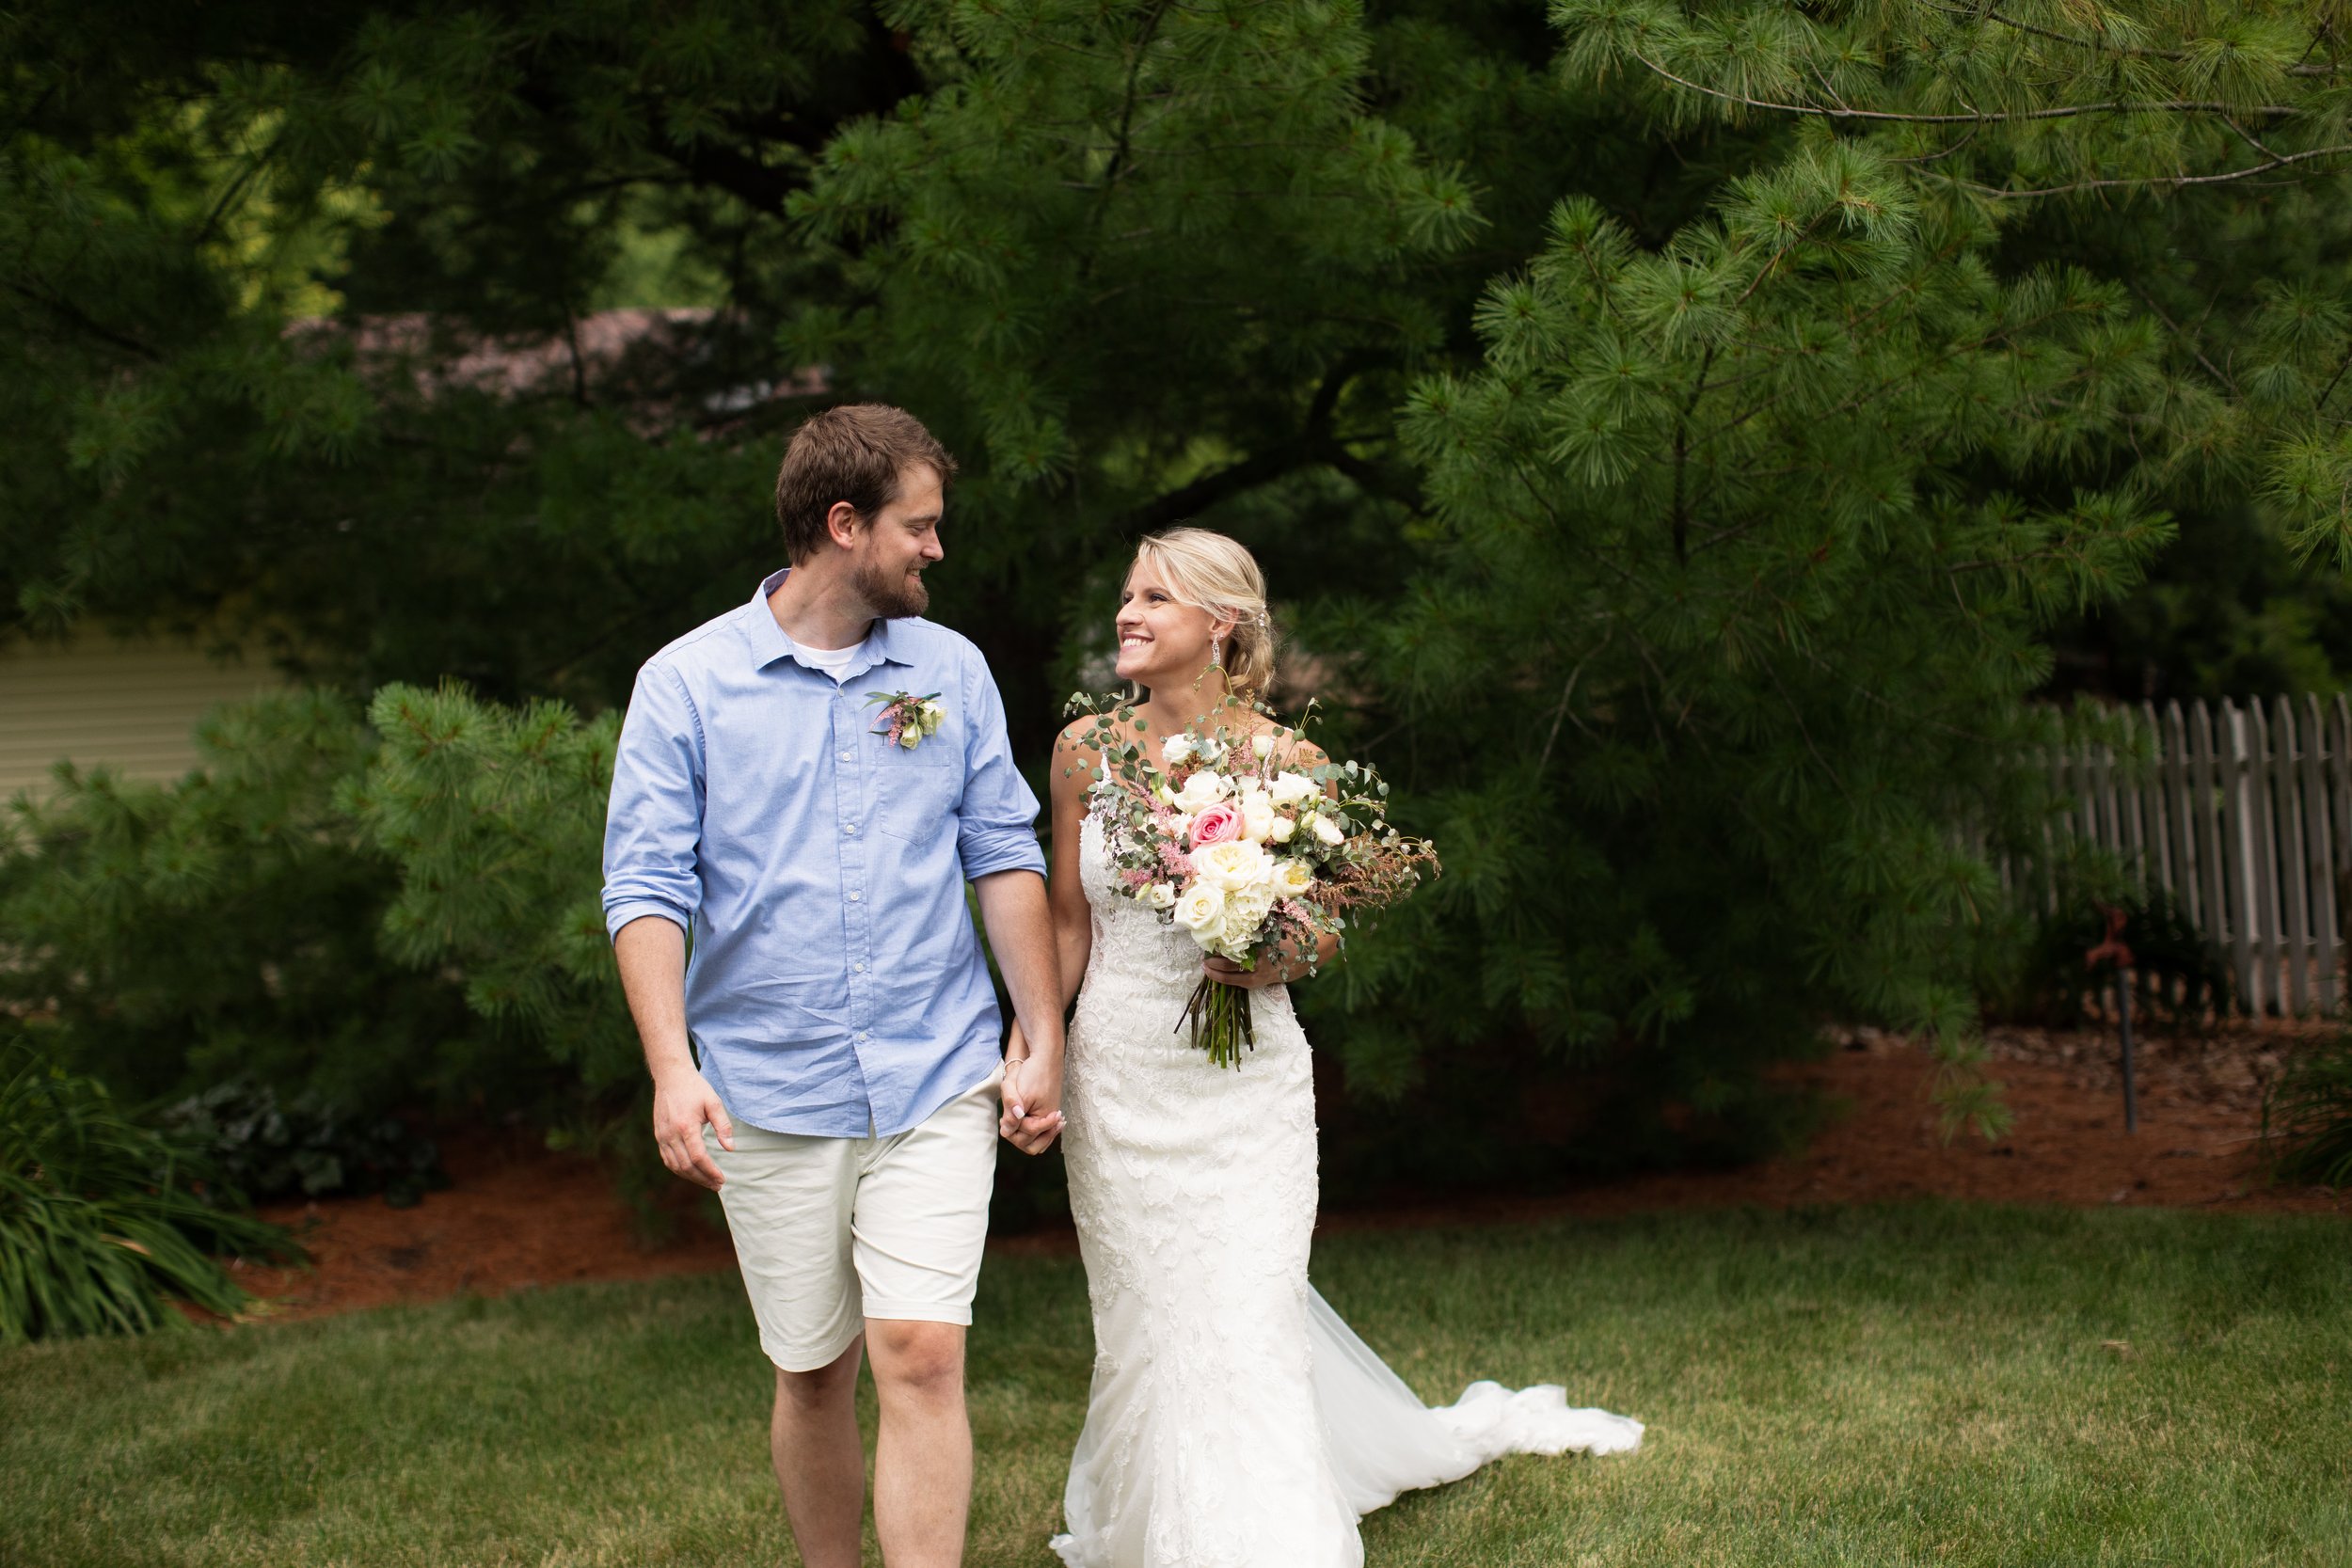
x=826 y=1386
x=925 y=1359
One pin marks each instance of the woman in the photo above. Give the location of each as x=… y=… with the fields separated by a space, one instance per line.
x=1234 y=1421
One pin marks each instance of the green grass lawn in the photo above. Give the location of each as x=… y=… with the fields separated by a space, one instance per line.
x=1933 y=1385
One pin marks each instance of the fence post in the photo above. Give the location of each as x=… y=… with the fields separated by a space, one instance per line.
x=2262 y=854
x=2340 y=792
x=2319 y=852
x=2238 y=848
x=2174 y=771
x=2087 y=793
x=2128 y=786
x=2209 y=790
x=2287 y=836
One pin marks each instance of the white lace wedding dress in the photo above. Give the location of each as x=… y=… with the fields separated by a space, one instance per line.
x=1235 y=1421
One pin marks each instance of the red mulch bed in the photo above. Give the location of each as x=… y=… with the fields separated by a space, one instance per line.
x=516 y=1217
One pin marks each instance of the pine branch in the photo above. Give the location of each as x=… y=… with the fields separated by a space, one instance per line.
x=1314 y=446
x=2095 y=46
x=2006 y=117
x=2194 y=347
x=2169 y=182
x=81 y=321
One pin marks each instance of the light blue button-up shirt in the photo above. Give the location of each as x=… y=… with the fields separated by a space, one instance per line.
x=835 y=986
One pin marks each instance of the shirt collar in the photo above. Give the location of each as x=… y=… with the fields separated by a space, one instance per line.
x=769 y=644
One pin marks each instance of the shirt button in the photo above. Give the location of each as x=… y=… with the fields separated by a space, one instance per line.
x=858 y=969
x=861 y=1034
x=845 y=756
x=853 y=897
x=848 y=827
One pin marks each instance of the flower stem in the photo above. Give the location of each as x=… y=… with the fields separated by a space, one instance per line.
x=1221 y=1021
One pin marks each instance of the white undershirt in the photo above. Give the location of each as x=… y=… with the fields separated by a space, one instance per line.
x=833 y=661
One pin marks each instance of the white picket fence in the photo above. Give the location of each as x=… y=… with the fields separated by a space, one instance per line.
x=2244 y=817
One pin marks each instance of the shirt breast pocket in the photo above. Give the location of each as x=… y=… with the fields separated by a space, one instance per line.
x=920 y=790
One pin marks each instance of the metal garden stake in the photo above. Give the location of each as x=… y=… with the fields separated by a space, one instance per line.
x=2116 y=951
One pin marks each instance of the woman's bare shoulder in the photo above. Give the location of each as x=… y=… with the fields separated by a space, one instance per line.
x=1078 y=749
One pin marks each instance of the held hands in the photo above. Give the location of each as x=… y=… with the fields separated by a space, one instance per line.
x=1032 y=1116
x=682 y=1103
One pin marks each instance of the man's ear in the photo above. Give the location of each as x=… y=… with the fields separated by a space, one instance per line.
x=841 y=523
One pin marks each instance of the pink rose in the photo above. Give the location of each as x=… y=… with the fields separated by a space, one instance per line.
x=1217 y=825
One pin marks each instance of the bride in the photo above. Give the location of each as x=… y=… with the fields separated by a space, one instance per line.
x=1234 y=1421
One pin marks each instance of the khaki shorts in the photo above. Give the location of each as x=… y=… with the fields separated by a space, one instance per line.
x=833 y=1231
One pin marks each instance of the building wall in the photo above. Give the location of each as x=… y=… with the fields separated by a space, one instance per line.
x=99 y=699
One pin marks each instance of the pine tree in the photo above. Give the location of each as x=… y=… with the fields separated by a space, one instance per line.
x=1750 y=535
x=1679 y=431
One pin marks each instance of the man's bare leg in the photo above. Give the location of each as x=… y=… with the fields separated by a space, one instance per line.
x=820 y=1462
x=923 y=1459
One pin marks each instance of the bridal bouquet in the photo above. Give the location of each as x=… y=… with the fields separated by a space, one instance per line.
x=1254 y=853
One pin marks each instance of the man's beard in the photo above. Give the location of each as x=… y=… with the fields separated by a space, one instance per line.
x=893 y=595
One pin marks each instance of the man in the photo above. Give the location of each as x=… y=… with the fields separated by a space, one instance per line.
x=802 y=786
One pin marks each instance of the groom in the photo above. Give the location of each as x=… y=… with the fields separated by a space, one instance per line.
x=802 y=787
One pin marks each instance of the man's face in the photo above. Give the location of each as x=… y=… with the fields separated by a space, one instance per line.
x=896 y=544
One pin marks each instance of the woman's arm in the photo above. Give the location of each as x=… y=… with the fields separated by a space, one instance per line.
x=1065 y=896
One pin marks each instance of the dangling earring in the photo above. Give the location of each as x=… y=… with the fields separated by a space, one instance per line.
x=1215 y=665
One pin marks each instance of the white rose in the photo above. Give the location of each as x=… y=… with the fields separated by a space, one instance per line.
x=1290 y=788
x=1207 y=747
x=1281 y=831
x=1329 y=830
x=1157 y=895
x=910 y=736
x=1205 y=790
x=1244 y=911
x=1263 y=746
x=1256 y=816
x=1292 y=877
x=1176 y=750
x=1201 y=908
x=933 y=715
x=1231 y=866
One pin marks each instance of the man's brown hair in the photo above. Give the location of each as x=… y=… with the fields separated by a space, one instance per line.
x=852 y=454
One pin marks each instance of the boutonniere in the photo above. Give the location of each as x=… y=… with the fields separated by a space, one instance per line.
x=906 y=719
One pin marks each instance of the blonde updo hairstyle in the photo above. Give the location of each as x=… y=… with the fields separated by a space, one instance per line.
x=1220 y=575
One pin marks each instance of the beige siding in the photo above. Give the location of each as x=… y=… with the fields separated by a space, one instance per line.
x=101 y=700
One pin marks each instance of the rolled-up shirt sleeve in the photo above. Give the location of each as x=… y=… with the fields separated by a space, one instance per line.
x=997 y=829
x=653 y=823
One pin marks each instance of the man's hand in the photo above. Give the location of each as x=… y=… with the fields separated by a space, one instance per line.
x=682 y=1103
x=1032 y=1119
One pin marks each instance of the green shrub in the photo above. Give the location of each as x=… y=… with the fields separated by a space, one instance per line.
x=492 y=817
x=100 y=1219
x=270 y=1148
x=2307 y=1118
x=226 y=925
x=2184 y=974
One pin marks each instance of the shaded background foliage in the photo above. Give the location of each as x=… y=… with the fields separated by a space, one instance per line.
x=1684 y=439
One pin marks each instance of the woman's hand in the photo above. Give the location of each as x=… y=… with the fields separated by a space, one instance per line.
x=1030 y=1117
x=1225 y=971
x=1009 y=1091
